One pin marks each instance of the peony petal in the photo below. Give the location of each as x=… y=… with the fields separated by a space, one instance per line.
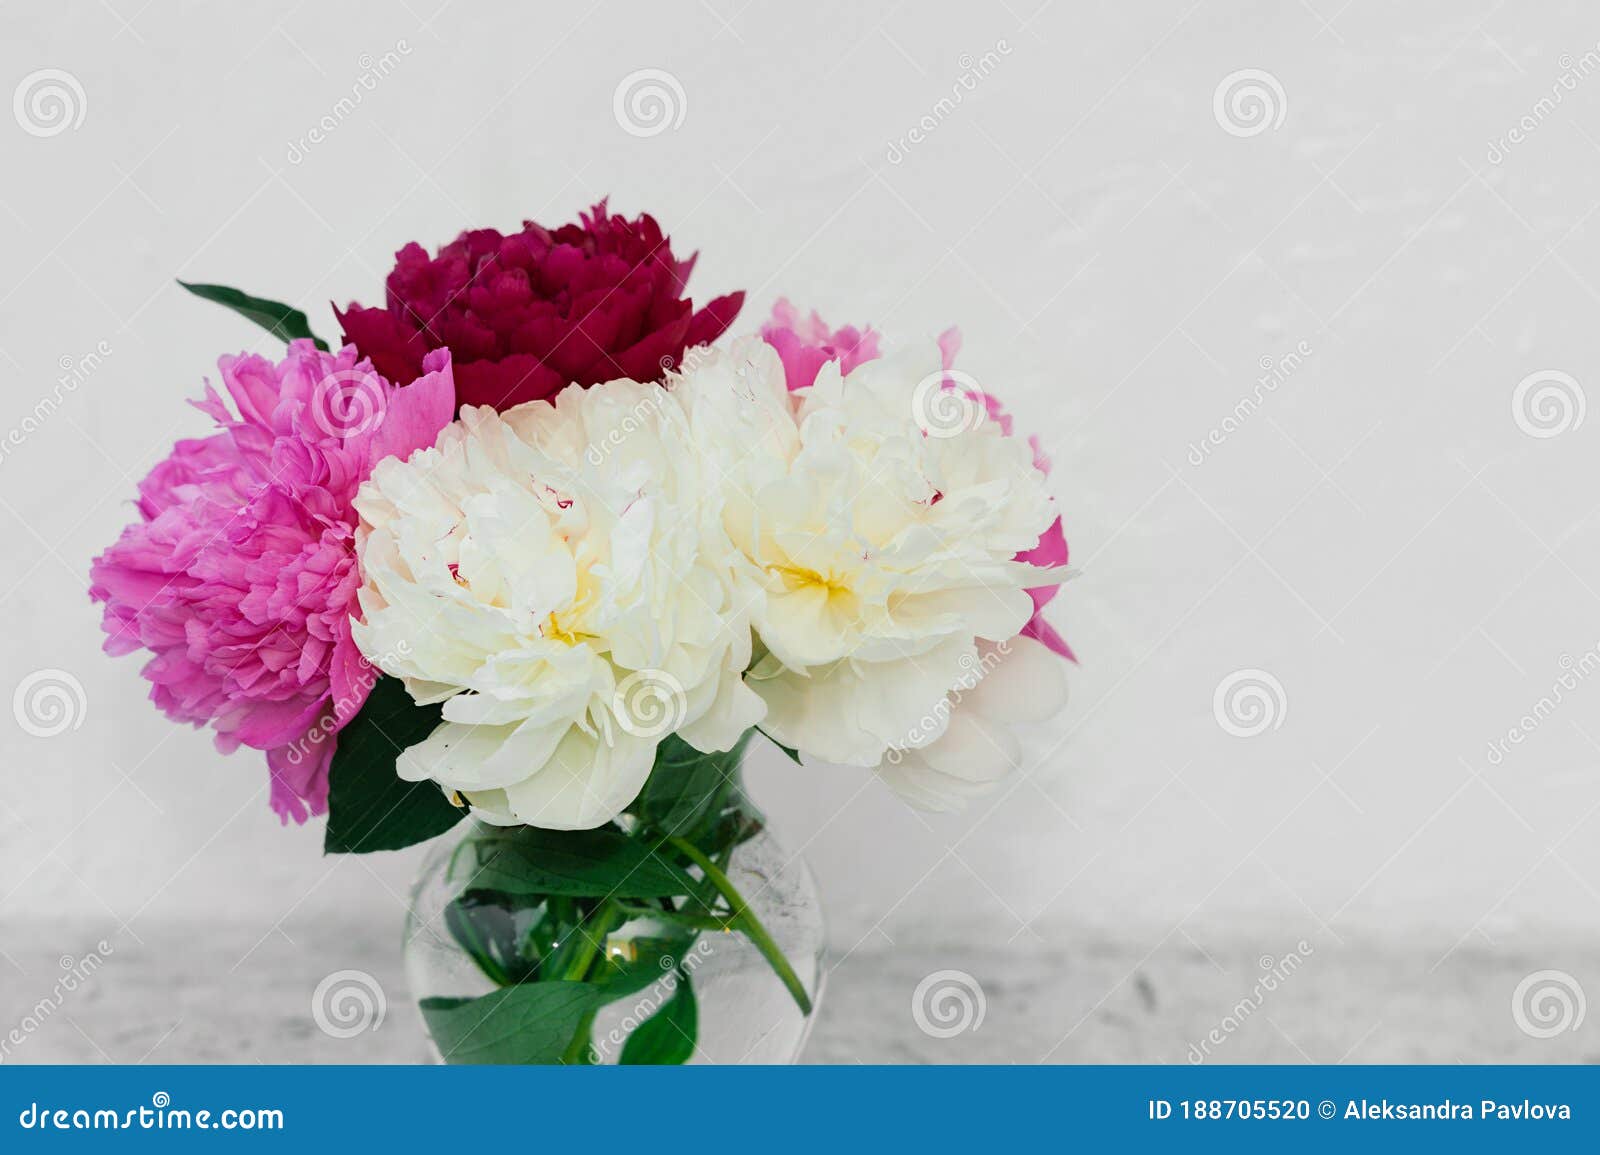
x=734 y=710
x=1022 y=681
x=715 y=319
x=395 y=352
x=415 y=413
x=850 y=712
x=508 y=382
x=587 y=782
x=966 y=762
x=299 y=779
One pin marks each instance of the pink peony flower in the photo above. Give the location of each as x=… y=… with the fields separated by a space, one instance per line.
x=804 y=346
x=527 y=314
x=241 y=576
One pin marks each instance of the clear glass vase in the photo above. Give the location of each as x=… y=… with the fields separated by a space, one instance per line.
x=463 y=946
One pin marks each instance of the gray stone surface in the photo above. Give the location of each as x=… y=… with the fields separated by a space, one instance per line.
x=193 y=993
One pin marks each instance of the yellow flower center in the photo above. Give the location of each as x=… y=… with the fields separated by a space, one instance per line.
x=797 y=578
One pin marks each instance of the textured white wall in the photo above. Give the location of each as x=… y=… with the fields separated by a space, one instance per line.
x=1379 y=535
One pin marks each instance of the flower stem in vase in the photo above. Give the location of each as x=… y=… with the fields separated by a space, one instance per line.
x=745 y=919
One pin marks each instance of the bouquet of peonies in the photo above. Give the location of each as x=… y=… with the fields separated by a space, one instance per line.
x=534 y=548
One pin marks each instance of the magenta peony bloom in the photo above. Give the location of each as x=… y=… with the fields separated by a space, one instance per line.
x=804 y=346
x=527 y=314
x=241 y=576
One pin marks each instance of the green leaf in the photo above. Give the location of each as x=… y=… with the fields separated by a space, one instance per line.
x=668 y=1036
x=603 y=863
x=531 y=1023
x=794 y=755
x=687 y=785
x=281 y=320
x=492 y=935
x=369 y=806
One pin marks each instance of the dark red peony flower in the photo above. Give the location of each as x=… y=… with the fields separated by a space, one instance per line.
x=526 y=314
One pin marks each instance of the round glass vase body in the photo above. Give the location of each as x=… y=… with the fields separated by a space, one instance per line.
x=508 y=968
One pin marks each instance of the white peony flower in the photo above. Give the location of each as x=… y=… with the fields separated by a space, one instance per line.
x=1015 y=681
x=882 y=549
x=563 y=585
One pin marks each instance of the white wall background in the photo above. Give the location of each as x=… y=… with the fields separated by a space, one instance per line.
x=1381 y=535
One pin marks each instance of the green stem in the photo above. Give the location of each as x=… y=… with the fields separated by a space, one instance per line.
x=747 y=921
x=594 y=931
x=578 y=969
x=578 y=1053
x=586 y=954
